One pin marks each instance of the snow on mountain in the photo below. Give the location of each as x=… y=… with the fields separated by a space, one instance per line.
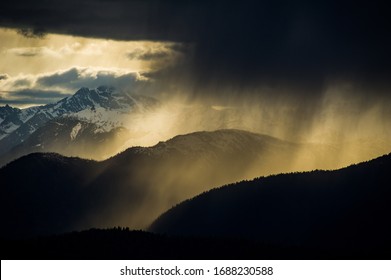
x=6 y=111
x=104 y=106
x=75 y=131
x=105 y=119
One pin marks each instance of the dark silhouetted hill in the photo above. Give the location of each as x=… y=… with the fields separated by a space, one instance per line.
x=49 y=193
x=119 y=243
x=44 y=193
x=346 y=210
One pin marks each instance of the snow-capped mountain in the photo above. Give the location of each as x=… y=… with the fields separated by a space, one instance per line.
x=101 y=110
x=12 y=118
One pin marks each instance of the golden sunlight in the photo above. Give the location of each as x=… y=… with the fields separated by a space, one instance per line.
x=52 y=52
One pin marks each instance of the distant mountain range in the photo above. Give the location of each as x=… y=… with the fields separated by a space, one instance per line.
x=45 y=193
x=346 y=210
x=99 y=123
x=88 y=120
x=59 y=194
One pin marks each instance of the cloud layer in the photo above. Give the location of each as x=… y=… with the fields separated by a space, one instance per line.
x=54 y=52
x=62 y=64
x=238 y=43
x=50 y=87
x=287 y=62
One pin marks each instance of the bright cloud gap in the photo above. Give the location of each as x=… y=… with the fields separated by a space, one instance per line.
x=53 y=66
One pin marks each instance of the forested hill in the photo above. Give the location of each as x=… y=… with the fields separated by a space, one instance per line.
x=346 y=209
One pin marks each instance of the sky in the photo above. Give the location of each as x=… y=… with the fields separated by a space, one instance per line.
x=318 y=65
x=40 y=70
x=242 y=44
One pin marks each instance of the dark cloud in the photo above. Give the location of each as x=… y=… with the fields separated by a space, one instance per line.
x=31 y=32
x=32 y=96
x=238 y=43
x=75 y=78
x=23 y=101
x=148 y=55
x=60 y=78
x=22 y=82
x=27 y=52
x=4 y=77
x=38 y=94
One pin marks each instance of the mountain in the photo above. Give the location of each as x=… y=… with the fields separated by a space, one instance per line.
x=8 y=116
x=59 y=194
x=345 y=210
x=99 y=123
x=339 y=214
x=12 y=118
x=100 y=112
x=71 y=136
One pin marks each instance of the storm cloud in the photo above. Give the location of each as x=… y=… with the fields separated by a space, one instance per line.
x=147 y=55
x=31 y=97
x=247 y=43
x=306 y=68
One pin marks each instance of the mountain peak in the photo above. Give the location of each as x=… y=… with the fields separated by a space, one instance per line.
x=90 y=98
x=102 y=89
x=6 y=107
x=7 y=110
x=82 y=90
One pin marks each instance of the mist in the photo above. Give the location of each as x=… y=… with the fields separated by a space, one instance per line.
x=315 y=74
x=343 y=127
x=199 y=141
x=350 y=118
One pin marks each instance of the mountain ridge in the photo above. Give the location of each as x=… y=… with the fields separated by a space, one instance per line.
x=358 y=236
x=103 y=107
x=341 y=209
x=137 y=185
